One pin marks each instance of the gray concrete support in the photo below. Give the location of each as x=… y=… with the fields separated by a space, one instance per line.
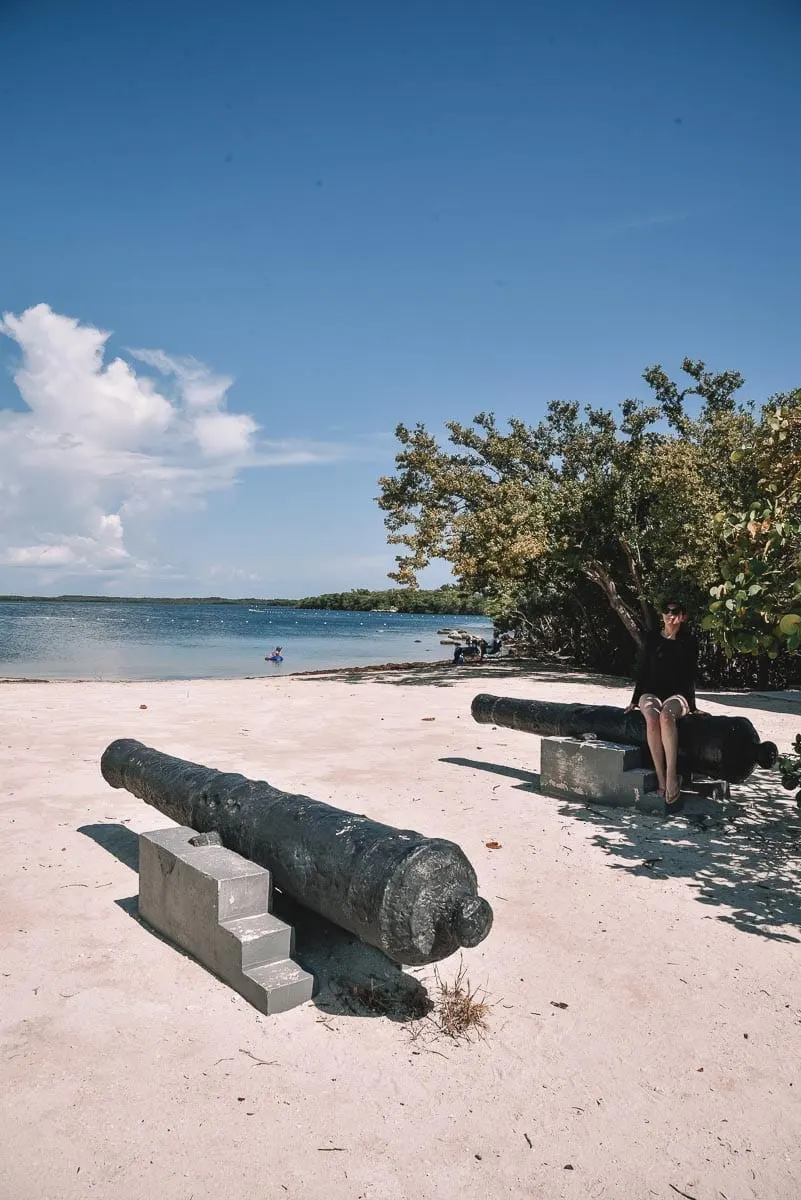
x=215 y=905
x=599 y=771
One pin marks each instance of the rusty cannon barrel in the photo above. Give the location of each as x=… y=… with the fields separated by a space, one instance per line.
x=719 y=747
x=411 y=896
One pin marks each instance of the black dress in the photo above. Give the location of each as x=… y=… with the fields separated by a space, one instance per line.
x=667 y=667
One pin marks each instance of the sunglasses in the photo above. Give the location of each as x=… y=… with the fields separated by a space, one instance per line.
x=672 y=611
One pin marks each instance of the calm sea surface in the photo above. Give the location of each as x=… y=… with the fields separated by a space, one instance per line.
x=207 y=641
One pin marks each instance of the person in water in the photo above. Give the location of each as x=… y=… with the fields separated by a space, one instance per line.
x=276 y=656
x=664 y=692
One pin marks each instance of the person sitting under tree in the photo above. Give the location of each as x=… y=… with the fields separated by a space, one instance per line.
x=476 y=648
x=664 y=692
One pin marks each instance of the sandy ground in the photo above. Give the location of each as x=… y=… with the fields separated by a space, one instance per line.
x=671 y=1066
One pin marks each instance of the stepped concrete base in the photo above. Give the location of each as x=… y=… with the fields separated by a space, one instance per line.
x=598 y=771
x=215 y=905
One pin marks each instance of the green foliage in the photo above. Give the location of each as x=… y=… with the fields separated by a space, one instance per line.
x=574 y=527
x=790 y=766
x=446 y=599
x=756 y=605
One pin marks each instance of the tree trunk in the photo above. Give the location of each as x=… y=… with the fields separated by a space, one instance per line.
x=639 y=586
x=599 y=575
x=589 y=628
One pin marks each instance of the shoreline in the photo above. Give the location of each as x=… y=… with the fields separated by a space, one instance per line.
x=361 y=668
x=405 y=666
x=497 y=668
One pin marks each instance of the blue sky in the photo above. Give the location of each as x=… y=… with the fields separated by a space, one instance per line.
x=359 y=213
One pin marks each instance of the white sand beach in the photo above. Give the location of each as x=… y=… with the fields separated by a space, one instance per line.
x=671 y=1066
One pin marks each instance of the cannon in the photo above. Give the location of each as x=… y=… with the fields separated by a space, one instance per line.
x=411 y=896
x=726 y=748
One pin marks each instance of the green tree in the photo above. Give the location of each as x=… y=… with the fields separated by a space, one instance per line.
x=575 y=525
x=757 y=598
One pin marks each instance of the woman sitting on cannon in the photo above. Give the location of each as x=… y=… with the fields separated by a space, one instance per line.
x=665 y=692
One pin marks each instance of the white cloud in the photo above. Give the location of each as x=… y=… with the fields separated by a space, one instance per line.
x=221 y=434
x=218 y=433
x=201 y=388
x=70 y=392
x=102 y=448
x=233 y=574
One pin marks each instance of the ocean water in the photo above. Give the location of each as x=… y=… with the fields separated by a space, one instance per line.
x=75 y=640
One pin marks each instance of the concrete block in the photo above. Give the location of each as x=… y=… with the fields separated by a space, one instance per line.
x=277 y=986
x=595 y=770
x=215 y=905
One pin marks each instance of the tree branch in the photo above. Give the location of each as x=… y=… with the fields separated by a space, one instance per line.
x=599 y=575
x=639 y=585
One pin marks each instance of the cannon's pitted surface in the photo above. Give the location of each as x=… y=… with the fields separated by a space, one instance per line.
x=413 y=897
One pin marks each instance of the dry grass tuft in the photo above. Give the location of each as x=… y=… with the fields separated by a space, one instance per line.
x=460 y=1010
x=455 y=1010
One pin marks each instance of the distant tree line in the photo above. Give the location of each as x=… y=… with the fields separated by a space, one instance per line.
x=574 y=530
x=145 y=600
x=445 y=600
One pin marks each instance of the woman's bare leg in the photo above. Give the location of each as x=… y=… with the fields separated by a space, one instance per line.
x=650 y=708
x=671 y=712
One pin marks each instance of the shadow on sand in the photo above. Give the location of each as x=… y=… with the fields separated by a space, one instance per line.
x=351 y=978
x=742 y=856
x=446 y=674
x=529 y=780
